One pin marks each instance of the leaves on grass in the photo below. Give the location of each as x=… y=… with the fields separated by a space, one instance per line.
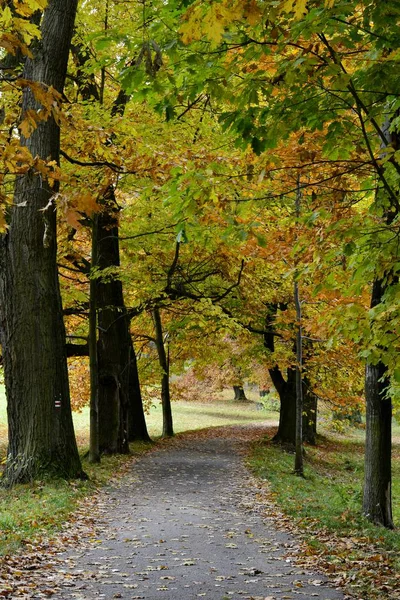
x=40 y=572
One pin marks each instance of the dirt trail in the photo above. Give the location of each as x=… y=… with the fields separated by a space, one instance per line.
x=186 y=523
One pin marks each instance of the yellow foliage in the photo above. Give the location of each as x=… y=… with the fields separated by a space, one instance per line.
x=17 y=29
x=76 y=205
x=252 y=12
x=28 y=7
x=29 y=123
x=211 y=21
x=298 y=7
x=16 y=158
x=3 y=223
x=78 y=370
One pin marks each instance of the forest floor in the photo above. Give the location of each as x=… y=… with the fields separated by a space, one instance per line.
x=184 y=521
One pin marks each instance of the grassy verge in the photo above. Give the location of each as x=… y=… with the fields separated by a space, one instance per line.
x=38 y=510
x=326 y=507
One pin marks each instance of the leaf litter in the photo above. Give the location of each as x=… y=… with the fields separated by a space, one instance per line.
x=49 y=567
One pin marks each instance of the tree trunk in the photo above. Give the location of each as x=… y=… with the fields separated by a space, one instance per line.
x=137 y=428
x=121 y=415
x=41 y=435
x=286 y=389
x=121 y=418
x=377 y=498
x=113 y=349
x=94 y=448
x=310 y=406
x=377 y=501
x=168 y=429
x=239 y=394
x=298 y=463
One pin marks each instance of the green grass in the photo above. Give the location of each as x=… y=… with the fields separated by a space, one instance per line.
x=191 y=415
x=38 y=509
x=327 y=503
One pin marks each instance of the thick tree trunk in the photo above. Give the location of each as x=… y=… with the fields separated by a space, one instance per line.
x=239 y=394
x=137 y=428
x=298 y=462
x=168 y=429
x=286 y=389
x=121 y=415
x=377 y=501
x=113 y=339
x=41 y=436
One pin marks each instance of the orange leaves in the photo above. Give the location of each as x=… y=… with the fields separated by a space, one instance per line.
x=29 y=123
x=49 y=100
x=299 y=7
x=3 y=223
x=252 y=12
x=76 y=205
x=78 y=370
x=212 y=20
x=26 y=8
x=16 y=158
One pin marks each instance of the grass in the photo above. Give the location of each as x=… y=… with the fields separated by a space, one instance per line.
x=38 y=509
x=326 y=506
x=190 y=415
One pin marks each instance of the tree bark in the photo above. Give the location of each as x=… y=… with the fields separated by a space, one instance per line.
x=94 y=447
x=286 y=389
x=121 y=414
x=41 y=435
x=310 y=409
x=168 y=429
x=377 y=500
x=298 y=464
x=137 y=428
x=377 y=497
x=239 y=394
x=286 y=433
x=113 y=338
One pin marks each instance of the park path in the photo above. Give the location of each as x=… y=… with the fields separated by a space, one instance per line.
x=186 y=522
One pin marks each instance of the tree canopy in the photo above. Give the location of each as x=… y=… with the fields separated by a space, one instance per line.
x=232 y=150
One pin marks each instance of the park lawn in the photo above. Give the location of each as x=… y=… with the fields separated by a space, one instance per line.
x=326 y=507
x=38 y=509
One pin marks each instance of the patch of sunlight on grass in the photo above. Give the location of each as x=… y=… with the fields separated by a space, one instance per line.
x=186 y=416
x=196 y=415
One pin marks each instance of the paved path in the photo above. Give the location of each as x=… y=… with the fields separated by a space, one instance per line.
x=185 y=524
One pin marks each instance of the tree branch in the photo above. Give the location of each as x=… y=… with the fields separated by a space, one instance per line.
x=96 y=163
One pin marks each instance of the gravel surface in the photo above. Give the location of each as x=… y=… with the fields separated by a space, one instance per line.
x=187 y=522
